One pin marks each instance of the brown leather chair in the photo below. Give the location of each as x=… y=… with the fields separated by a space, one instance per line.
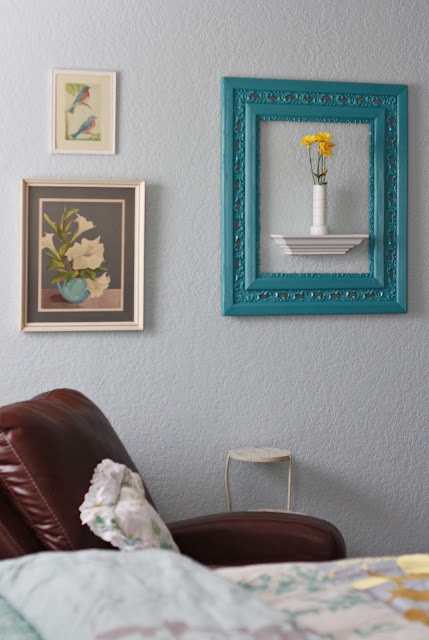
x=49 y=447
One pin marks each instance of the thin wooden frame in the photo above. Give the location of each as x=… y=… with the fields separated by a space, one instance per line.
x=82 y=255
x=83 y=111
x=383 y=289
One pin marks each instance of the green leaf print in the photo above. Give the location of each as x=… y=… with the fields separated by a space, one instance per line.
x=155 y=527
x=165 y=544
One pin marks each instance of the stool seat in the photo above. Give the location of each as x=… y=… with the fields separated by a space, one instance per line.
x=260 y=454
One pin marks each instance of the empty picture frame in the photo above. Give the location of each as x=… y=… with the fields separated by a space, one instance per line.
x=82 y=255
x=83 y=112
x=381 y=286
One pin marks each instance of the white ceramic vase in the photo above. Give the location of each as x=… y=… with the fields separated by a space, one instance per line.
x=319 y=226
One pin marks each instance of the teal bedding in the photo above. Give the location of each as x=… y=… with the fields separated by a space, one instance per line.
x=13 y=626
x=111 y=595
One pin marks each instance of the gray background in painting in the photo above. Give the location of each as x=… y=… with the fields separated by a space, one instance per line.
x=77 y=192
x=107 y=218
x=347 y=394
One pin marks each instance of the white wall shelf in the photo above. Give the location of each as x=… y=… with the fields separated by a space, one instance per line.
x=329 y=244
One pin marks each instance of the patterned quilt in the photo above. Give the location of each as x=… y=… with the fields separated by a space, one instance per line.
x=379 y=598
x=160 y=595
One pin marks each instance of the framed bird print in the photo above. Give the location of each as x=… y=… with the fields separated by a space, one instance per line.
x=83 y=255
x=83 y=111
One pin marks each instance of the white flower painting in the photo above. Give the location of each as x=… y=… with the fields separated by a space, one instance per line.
x=76 y=262
x=82 y=255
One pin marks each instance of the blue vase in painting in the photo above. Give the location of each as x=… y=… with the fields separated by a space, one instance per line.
x=73 y=291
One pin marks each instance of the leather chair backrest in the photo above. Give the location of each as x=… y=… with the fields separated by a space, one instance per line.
x=16 y=537
x=49 y=448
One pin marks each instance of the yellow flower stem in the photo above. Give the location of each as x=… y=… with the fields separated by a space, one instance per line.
x=311 y=164
x=318 y=167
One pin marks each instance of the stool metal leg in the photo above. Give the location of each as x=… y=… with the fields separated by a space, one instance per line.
x=289 y=488
x=228 y=497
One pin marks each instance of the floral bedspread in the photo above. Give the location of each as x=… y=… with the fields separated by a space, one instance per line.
x=160 y=595
x=380 y=598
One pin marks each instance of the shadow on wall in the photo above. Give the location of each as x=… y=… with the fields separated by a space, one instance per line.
x=153 y=253
x=359 y=515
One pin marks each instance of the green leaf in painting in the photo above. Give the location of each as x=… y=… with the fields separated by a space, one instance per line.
x=61 y=275
x=63 y=228
x=88 y=273
x=73 y=88
x=50 y=223
x=63 y=249
x=67 y=227
x=51 y=255
x=71 y=275
x=55 y=264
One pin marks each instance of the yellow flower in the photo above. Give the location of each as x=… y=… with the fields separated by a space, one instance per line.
x=323 y=136
x=308 y=141
x=325 y=148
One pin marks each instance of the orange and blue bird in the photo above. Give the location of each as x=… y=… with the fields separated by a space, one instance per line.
x=81 y=97
x=85 y=127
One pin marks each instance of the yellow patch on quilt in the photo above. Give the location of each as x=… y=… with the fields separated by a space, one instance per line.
x=369 y=583
x=416 y=563
x=416 y=568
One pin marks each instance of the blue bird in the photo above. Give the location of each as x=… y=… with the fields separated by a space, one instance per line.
x=81 y=97
x=85 y=127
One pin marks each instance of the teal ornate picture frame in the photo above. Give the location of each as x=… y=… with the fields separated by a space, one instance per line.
x=381 y=285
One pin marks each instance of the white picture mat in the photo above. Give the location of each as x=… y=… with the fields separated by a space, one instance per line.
x=103 y=104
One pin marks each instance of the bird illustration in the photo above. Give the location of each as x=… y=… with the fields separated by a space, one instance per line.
x=81 y=97
x=85 y=127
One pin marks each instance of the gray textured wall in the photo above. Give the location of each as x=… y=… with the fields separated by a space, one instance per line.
x=347 y=394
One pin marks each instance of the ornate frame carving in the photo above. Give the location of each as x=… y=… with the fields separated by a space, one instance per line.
x=383 y=289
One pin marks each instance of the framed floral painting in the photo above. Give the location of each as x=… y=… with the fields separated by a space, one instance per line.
x=83 y=111
x=83 y=255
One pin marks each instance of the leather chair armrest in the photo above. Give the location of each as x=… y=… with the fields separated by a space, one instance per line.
x=256 y=537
